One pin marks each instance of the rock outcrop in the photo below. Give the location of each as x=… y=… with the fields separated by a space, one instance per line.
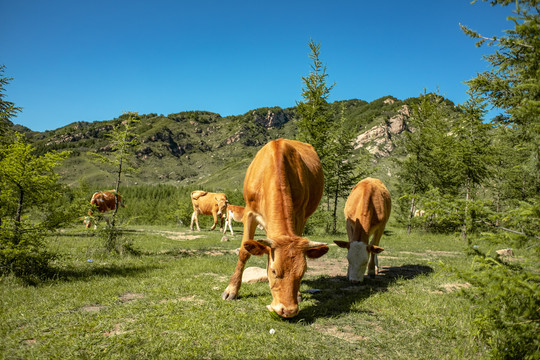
x=378 y=140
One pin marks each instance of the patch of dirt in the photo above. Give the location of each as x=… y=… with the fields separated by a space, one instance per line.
x=220 y=278
x=174 y=235
x=29 y=342
x=330 y=267
x=93 y=308
x=177 y=235
x=127 y=297
x=451 y=287
x=344 y=333
x=191 y=299
x=118 y=330
x=189 y=252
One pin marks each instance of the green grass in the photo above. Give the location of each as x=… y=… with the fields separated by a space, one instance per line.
x=166 y=303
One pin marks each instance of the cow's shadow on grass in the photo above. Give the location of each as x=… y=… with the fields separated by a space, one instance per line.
x=73 y=273
x=336 y=295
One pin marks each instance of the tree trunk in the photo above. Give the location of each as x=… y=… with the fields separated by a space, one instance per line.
x=18 y=216
x=411 y=211
x=466 y=215
x=334 y=215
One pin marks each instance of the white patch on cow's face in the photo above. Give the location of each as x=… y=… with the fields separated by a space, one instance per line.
x=358 y=259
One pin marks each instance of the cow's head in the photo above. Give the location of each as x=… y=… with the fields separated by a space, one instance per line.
x=358 y=257
x=221 y=204
x=87 y=221
x=286 y=267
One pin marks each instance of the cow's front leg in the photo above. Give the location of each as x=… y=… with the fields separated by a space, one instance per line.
x=221 y=224
x=231 y=292
x=214 y=214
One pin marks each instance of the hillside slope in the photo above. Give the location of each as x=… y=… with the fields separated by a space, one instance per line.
x=206 y=150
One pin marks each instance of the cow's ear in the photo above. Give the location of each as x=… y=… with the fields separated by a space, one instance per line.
x=255 y=248
x=316 y=250
x=342 y=244
x=374 y=249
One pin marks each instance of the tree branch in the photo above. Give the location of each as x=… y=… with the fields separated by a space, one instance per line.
x=506 y=229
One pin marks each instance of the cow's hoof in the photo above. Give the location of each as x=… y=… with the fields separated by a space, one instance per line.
x=229 y=295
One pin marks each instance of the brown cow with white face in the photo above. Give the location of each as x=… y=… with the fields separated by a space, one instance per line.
x=367 y=211
x=282 y=188
x=208 y=203
x=103 y=201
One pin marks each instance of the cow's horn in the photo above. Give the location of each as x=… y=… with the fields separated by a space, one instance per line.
x=314 y=244
x=267 y=242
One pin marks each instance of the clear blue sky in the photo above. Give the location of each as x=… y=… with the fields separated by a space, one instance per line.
x=91 y=60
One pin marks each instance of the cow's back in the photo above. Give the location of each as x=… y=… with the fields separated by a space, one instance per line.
x=105 y=200
x=284 y=182
x=368 y=206
x=205 y=201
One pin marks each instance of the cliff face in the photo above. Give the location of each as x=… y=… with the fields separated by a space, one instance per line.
x=379 y=139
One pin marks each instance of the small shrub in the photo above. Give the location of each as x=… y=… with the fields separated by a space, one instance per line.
x=506 y=299
x=24 y=256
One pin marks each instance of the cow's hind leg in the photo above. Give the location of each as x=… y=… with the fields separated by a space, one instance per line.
x=195 y=217
x=231 y=292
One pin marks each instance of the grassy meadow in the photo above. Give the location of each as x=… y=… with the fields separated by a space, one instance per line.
x=165 y=302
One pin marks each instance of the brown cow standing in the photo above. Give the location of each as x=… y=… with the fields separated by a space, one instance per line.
x=103 y=201
x=208 y=203
x=367 y=210
x=282 y=188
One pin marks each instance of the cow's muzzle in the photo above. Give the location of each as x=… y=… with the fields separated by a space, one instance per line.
x=283 y=311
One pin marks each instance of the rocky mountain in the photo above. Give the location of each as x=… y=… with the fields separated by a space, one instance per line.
x=207 y=150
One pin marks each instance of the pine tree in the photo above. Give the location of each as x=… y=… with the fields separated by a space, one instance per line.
x=342 y=167
x=471 y=152
x=27 y=182
x=426 y=164
x=122 y=142
x=7 y=108
x=314 y=120
x=513 y=84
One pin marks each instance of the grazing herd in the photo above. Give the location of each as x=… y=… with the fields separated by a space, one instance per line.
x=282 y=189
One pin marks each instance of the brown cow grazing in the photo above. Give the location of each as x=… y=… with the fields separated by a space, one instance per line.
x=103 y=201
x=367 y=210
x=208 y=203
x=282 y=188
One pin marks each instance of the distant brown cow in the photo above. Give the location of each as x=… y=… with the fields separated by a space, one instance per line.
x=282 y=188
x=103 y=201
x=235 y=213
x=208 y=203
x=367 y=210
